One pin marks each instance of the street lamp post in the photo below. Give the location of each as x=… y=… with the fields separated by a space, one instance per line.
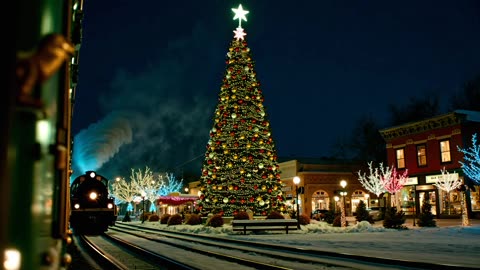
x=296 y=181
x=336 y=202
x=186 y=190
x=343 y=193
x=143 y=202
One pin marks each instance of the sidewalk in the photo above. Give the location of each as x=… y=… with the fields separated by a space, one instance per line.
x=409 y=222
x=443 y=222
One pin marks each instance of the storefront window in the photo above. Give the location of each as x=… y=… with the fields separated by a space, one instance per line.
x=450 y=203
x=358 y=196
x=407 y=199
x=320 y=200
x=475 y=198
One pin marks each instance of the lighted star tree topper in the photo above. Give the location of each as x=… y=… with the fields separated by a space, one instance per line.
x=240 y=15
x=240 y=171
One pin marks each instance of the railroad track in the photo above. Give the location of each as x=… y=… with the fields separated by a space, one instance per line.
x=276 y=255
x=116 y=254
x=195 y=255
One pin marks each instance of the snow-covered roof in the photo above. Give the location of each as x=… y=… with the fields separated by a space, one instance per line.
x=472 y=116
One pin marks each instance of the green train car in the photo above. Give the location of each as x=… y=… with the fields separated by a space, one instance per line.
x=41 y=64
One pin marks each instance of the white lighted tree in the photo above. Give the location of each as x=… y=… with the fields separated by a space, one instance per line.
x=394 y=182
x=124 y=191
x=146 y=185
x=373 y=181
x=448 y=182
x=471 y=163
x=169 y=184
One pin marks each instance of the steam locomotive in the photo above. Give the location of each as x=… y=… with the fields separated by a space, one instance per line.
x=92 y=210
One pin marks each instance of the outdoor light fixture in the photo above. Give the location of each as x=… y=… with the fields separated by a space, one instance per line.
x=296 y=181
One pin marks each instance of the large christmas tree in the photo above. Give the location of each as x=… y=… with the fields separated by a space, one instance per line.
x=240 y=171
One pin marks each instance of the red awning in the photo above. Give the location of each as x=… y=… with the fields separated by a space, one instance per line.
x=176 y=200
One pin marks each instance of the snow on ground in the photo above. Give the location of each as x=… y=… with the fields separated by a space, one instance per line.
x=448 y=243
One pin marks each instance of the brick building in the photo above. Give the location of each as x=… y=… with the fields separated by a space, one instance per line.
x=426 y=147
x=320 y=181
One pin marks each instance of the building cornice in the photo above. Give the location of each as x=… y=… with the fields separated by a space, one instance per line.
x=441 y=121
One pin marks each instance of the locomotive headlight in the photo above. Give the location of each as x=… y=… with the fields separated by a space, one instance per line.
x=93 y=196
x=76 y=206
x=110 y=205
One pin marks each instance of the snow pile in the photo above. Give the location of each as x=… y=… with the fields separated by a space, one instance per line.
x=314 y=227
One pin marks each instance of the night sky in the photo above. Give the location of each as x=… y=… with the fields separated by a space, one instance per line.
x=150 y=72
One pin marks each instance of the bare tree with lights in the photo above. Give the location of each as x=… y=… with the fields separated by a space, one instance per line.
x=240 y=171
x=169 y=184
x=145 y=183
x=394 y=182
x=471 y=163
x=448 y=182
x=124 y=191
x=373 y=181
x=471 y=168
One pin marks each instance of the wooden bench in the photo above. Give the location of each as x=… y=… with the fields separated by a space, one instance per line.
x=264 y=225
